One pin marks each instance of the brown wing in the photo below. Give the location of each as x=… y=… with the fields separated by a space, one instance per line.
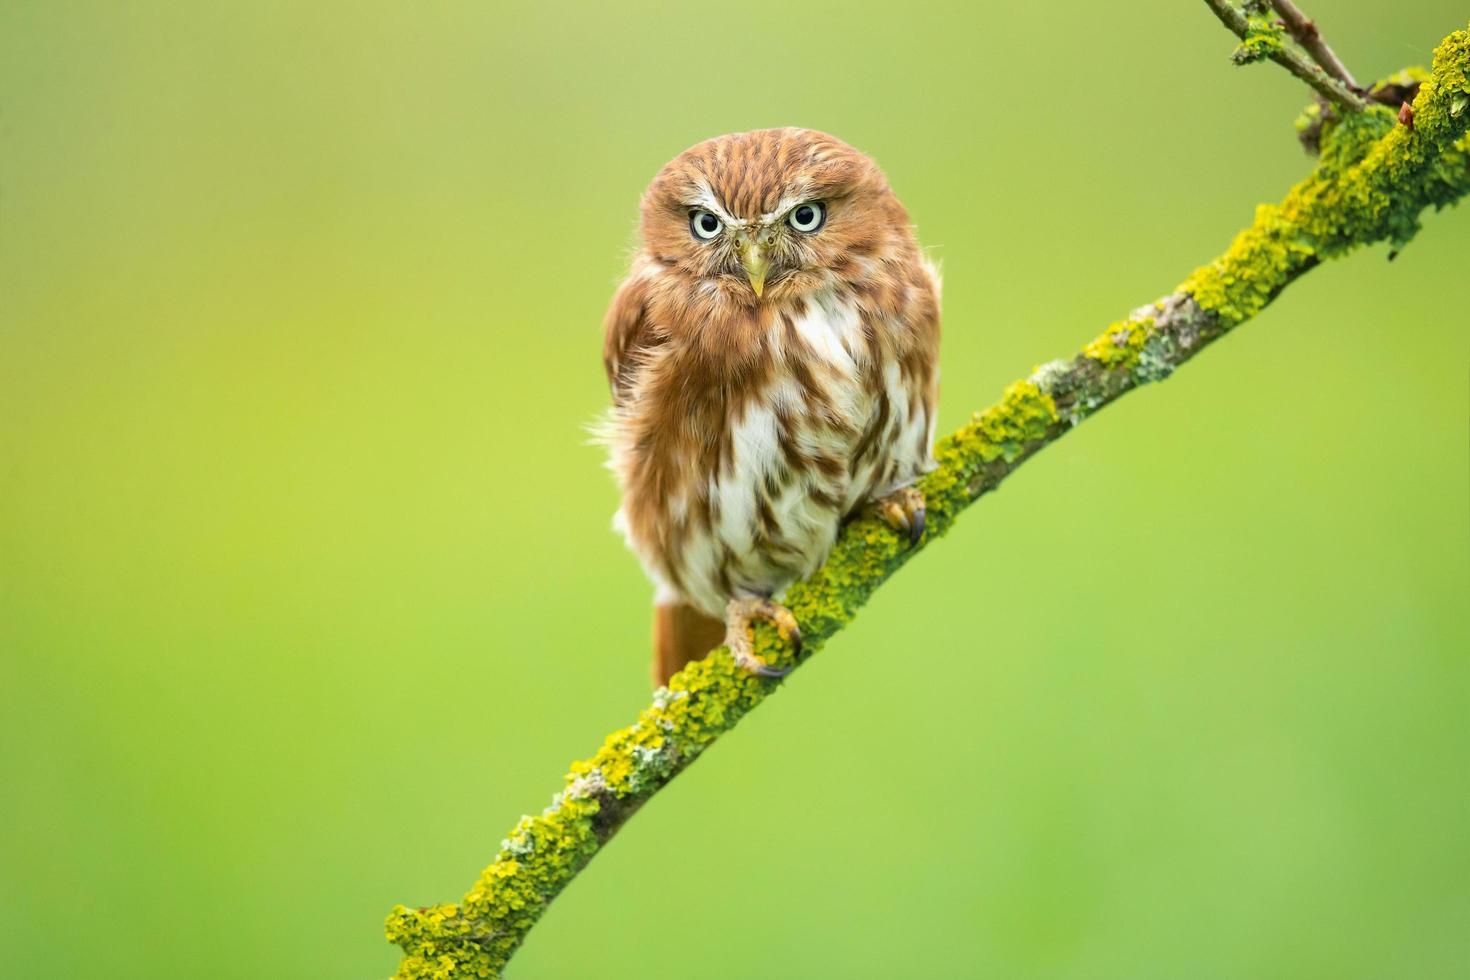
x=628 y=336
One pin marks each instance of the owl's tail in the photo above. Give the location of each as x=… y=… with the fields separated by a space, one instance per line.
x=681 y=634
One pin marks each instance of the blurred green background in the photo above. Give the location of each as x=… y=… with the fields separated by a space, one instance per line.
x=307 y=587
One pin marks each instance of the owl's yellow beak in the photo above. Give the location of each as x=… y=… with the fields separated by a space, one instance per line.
x=757 y=264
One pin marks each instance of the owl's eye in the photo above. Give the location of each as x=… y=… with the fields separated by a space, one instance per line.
x=808 y=217
x=704 y=225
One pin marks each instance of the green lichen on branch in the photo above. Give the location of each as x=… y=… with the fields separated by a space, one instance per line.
x=1373 y=179
x=1122 y=344
x=1263 y=38
x=1371 y=184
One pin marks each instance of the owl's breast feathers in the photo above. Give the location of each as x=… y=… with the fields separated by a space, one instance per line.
x=743 y=434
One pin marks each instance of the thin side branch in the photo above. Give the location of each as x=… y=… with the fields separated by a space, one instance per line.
x=1370 y=184
x=1259 y=44
x=1304 y=31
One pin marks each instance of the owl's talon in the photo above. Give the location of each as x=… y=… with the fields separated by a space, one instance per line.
x=904 y=510
x=739 y=614
x=753 y=664
x=916 y=526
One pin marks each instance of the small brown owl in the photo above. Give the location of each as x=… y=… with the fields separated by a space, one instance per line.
x=773 y=356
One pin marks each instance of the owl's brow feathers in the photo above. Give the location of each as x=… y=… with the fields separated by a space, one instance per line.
x=759 y=177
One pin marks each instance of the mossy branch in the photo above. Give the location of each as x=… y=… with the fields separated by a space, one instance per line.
x=1372 y=181
x=1261 y=37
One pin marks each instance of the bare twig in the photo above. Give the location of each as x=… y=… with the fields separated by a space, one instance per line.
x=1325 y=85
x=1304 y=31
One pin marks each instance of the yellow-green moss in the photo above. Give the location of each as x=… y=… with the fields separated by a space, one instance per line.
x=1021 y=420
x=1258 y=45
x=1263 y=38
x=1121 y=344
x=1371 y=183
x=1311 y=116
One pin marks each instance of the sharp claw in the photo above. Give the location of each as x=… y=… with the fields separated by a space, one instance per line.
x=739 y=614
x=904 y=512
x=916 y=526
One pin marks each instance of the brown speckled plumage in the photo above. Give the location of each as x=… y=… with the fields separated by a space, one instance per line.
x=747 y=424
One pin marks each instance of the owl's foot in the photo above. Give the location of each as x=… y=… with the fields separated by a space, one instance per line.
x=740 y=613
x=904 y=511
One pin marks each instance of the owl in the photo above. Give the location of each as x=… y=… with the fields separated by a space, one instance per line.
x=773 y=357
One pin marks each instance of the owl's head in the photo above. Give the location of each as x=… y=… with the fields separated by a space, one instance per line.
x=773 y=213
